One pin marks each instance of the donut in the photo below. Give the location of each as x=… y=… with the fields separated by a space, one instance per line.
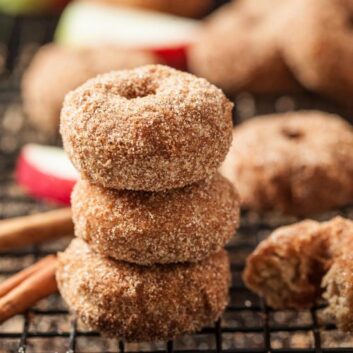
x=237 y=49
x=152 y=128
x=142 y=303
x=338 y=292
x=281 y=267
x=319 y=51
x=187 y=8
x=296 y=163
x=181 y=225
x=55 y=70
x=299 y=264
x=288 y=267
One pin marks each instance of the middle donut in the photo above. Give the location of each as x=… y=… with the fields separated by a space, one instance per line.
x=181 y=225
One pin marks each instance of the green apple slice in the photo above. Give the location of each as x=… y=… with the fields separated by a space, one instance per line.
x=87 y=23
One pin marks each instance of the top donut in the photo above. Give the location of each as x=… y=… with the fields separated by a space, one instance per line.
x=152 y=128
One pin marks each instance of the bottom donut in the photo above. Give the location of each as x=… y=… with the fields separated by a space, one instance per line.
x=140 y=303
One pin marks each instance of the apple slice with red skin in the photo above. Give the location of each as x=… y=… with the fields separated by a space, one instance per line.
x=46 y=173
x=91 y=23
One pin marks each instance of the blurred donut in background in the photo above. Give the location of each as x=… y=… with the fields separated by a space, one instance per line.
x=55 y=70
x=186 y=8
x=297 y=163
x=317 y=43
x=237 y=49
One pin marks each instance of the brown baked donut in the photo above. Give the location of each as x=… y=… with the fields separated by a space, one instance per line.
x=284 y=268
x=187 y=8
x=287 y=268
x=55 y=70
x=296 y=163
x=237 y=49
x=152 y=128
x=318 y=46
x=142 y=303
x=180 y=225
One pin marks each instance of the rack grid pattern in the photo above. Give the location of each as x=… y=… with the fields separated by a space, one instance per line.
x=248 y=325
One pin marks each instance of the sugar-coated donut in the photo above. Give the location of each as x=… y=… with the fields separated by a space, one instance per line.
x=282 y=268
x=152 y=128
x=55 y=70
x=142 y=303
x=287 y=268
x=180 y=225
x=320 y=48
x=299 y=264
x=296 y=163
x=237 y=49
x=187 y=8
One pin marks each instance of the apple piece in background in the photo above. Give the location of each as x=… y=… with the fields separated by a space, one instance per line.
x=90 y=23
x=185 y=8
x=31 y=7
x=46 y=173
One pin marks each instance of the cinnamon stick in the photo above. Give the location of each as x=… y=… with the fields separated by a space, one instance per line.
x=39 y=285
x=34 y=229
x=12 y=282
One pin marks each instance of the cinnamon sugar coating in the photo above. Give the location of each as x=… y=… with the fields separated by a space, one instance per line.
x=237 y=48
x=56 y=70
x=180 y=225
x=138 y=303
x=300 y=263
x=152 y=128
x=296 y=163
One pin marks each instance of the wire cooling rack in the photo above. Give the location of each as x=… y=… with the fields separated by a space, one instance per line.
x=247 y=326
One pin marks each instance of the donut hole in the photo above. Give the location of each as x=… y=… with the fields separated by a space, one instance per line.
x=136 y=92
x=292 y=133
x=138 y=88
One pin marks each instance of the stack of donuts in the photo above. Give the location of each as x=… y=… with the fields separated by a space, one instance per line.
x=151 y=213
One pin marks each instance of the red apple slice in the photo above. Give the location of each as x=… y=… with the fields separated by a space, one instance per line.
x=46 y=173
x=90 y=23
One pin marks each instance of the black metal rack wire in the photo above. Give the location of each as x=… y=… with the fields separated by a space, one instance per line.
x=248 y=325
